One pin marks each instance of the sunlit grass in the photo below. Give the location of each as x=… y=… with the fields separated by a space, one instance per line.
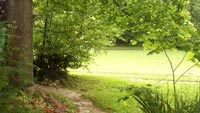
x=121 y=67
x=105 y=91
x=133 y=63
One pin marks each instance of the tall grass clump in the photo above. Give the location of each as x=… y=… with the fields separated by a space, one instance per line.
x=152 y=101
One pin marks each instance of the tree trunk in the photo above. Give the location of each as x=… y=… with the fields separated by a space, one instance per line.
x=20 y=42
x=2 y=10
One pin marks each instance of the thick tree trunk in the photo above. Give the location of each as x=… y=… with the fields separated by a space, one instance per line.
x=20 y=49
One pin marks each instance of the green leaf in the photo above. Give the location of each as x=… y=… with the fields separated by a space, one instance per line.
x=133 y=42
x=189 y=56
x=198 y=65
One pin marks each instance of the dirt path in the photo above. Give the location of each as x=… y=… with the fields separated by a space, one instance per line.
x=83 y=105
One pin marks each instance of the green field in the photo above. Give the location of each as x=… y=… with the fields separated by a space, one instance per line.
x=121 y=67
x=134 y=63
x=105 y=91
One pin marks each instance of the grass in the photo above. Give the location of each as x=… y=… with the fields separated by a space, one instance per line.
x=112 y=72
x=134 y=64
x=135 y=61
x=121 y=67
x=105 y=91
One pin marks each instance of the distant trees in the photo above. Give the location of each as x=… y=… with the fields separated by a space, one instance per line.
x=195 y=12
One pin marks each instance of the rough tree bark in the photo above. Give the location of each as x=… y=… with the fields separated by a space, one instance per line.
x=20 y=41
x=2 y=10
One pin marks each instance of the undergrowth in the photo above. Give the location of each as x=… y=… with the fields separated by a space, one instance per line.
x=18 y=101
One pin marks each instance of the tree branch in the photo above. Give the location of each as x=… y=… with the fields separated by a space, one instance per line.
x=180 y=62
x=186 y=71
x=118 y=5
x=169 y=60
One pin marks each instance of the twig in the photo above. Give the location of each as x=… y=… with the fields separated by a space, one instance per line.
x=180 y=62
x=118 y=5
x=186 y=71
x=169 y=60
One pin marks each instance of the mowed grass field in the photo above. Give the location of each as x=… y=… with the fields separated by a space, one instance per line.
x=134 y=63
x=121 y=67
x=105 y=92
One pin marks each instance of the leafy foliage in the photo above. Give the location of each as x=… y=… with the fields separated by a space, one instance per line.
x=161 y=26
x=68 y=34
x=158 y=24
x=167 y=26
x=194 y=10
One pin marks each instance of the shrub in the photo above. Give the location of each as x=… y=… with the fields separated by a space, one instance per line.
x=68 y=34
x=52 y=60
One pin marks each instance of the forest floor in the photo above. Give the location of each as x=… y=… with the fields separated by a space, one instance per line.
x=83 y=105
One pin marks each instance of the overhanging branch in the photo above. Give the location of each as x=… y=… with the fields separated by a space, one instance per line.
x=118 y=5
